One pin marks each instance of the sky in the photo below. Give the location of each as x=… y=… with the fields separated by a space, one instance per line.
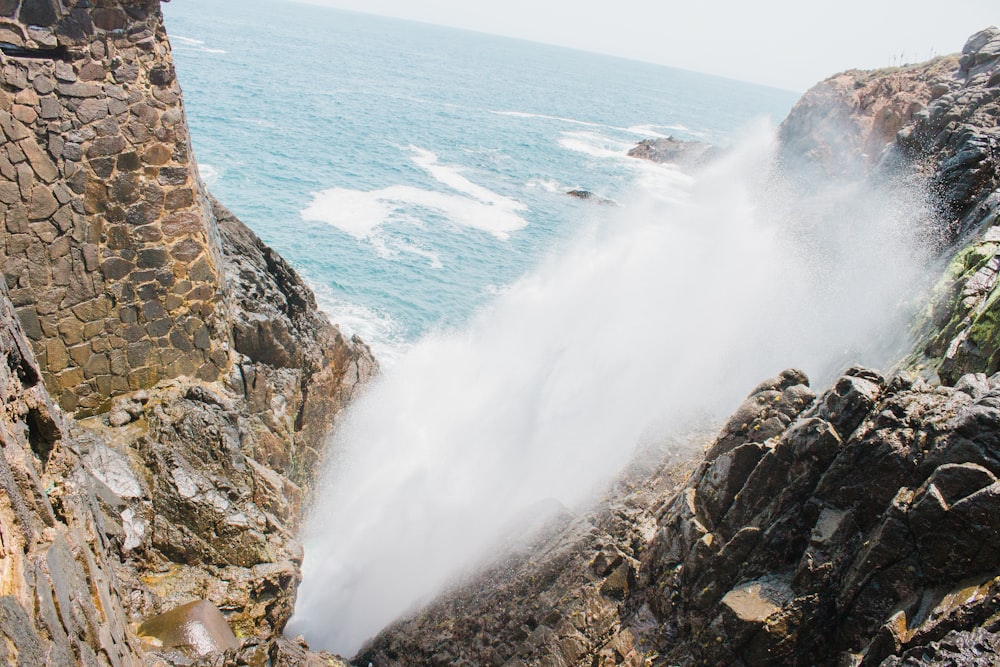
x=789 y=44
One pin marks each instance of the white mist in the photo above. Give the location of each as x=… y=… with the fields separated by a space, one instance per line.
x=677 y=304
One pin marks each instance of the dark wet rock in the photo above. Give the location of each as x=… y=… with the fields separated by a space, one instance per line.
x=587 y=195
x=667 y=150
x=195 y=629
x=808 y=546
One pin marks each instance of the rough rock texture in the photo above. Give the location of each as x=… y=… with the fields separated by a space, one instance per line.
x=201 y=375
x=109 y=250
x=958 y=135
x=847 y=528
x=856 y=527
x=863 y=530
x=557 y=598
x=295 y=371
x=61 y=602
x=844 y=125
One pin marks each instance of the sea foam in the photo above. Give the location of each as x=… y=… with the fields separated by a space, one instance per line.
x=360 y=213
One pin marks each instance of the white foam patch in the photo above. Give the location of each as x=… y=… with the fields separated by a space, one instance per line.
x=191 y=44
x=452 y=177
x=572 y=121
x=353 y=211
x=209 y=174
x=595 y=145
x=361 y=213
x=546 y=184
x=378 y=330
x=637 y=129
x=661 y=131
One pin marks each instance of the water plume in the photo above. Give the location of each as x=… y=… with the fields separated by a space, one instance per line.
x=675 y=305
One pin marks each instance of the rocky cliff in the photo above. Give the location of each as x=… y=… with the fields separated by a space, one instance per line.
x=168 y=383
x=852 y=526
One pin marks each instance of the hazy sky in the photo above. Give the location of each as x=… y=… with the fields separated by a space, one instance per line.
x=785 y=43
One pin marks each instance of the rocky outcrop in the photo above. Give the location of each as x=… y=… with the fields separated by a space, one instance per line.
x=61 y=602
x=667 y=150
x=295 y=371
x=956 y=140
x=854 y=527
x=558 y=596
x=862 y=530
x=587 y=195
x=169 y=382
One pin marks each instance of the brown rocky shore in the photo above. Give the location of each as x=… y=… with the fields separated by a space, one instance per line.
x=169 y=382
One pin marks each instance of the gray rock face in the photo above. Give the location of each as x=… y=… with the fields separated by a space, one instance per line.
x=295 y=370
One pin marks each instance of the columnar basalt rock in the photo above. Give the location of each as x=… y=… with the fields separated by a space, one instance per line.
x=109 y=249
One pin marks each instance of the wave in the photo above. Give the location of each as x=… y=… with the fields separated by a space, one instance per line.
x=191 y=44
x=572 y=121
x=379 y=330
x=360 y=213
x=595 y=145
x=658 y=131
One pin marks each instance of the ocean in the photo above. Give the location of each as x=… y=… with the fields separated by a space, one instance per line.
x=410 y=171
x=531 y=343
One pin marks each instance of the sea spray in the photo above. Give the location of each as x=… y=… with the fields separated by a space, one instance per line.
x=676 y=304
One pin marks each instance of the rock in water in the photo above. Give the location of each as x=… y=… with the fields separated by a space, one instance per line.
x=587 y=195
x=667 y=150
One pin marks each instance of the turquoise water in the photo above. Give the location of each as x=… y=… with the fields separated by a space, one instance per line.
x=409 y=171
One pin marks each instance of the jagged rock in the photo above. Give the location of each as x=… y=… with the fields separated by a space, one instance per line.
x=290 y=350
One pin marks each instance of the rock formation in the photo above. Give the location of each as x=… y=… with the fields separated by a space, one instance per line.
x=854 y=527
x=587 y=195
x=168 y=383
x=667 y=150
